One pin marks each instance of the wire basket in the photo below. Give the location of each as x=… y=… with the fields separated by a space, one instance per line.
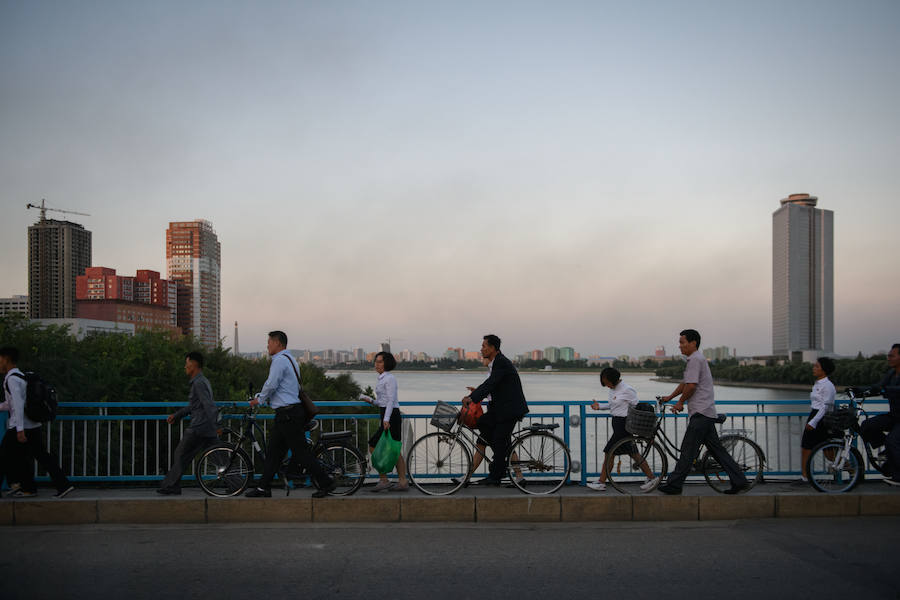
x=445 y=416
x=840 y=419
x=641 y=423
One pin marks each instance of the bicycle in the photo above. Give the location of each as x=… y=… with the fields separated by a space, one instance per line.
x=226 y=469
x=650 y=446
x=439 y=463
x=836 y=465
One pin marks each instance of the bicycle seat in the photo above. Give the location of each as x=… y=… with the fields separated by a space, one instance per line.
x=335 y=435
x=720 y=417
x=541 y=427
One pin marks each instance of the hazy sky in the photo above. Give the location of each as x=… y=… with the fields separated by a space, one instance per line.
x=592 y=174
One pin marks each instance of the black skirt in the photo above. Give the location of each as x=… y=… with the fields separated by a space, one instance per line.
x=812 y=438
x=619 y=432
x=396 y=427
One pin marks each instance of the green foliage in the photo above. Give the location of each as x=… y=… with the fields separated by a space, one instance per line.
x=146 y=367
x=847 y=372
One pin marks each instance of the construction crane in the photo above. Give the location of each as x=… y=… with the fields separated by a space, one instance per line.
x=44 y=208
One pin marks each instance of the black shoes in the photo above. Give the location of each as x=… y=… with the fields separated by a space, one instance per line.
x=325 y=489
x=669 y=489
x=166 y=491
x=258 y=492
x=488 y=481
x=63 y=493
x=737 y=489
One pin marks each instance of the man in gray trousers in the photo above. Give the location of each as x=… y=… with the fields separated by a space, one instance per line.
x=202 y=431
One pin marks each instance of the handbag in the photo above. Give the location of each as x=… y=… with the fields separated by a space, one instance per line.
x=308 y=405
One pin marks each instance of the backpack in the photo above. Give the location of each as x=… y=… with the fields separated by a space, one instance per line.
x=40 y=398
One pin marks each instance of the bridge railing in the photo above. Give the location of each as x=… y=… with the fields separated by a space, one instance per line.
x=95 y=444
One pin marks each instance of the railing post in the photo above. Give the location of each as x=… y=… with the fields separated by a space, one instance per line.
x=582 y=413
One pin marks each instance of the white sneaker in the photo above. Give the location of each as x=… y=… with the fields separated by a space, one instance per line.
x=597 y=486
x=650 y=484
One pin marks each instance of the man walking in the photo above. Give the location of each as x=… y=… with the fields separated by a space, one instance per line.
x=282 y=392
x=24 y=435
x=507 y=406
x=202 y=431
x=696 y=389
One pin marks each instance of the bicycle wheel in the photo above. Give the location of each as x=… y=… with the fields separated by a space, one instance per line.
x=346 y=465
x=224 y=471
x=539 y=463
x=438 y=463
x=748 y=456
x=630 y=459
x=832 y=469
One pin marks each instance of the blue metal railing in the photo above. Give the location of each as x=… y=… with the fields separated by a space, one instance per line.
x=104 y=447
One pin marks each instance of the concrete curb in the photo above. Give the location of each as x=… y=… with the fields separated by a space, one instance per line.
x=461 y=509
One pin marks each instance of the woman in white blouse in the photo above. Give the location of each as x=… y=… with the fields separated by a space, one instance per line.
x=821 y=401
x=391 y=419
x=621 y=397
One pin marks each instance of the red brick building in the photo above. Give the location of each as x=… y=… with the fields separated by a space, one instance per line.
x=146 y=299
x=144 y=316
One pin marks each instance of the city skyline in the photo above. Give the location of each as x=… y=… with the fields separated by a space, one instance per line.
x=598 y=174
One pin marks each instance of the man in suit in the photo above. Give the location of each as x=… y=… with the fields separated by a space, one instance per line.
x=506 y=408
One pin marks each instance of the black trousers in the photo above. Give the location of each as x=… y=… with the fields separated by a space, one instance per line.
x=289 y=432
x=34 y=450
x=496 y=434
x=12 y=454
x=882 y=430
x=188 y=447
x=702 y=430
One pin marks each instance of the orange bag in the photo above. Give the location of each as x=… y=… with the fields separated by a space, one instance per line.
x=470 y=414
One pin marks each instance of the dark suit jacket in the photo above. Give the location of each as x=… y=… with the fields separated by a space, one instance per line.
x=505 y=388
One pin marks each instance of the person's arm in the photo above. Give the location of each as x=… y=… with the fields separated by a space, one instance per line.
x=17 y=387
x=678 y=391
x=390 y=403
x=821 y=394
x=489 y=384
x=276 y=372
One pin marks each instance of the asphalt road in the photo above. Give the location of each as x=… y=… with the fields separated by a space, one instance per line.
x=766 y=559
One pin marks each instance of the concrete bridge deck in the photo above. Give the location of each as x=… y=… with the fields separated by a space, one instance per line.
x=88 y=505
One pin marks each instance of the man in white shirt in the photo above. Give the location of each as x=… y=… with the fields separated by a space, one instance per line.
x=696 y=389
x=17 y=456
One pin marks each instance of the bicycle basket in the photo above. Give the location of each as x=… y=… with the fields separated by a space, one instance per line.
x=445 y=416
x=840 y=419
x=640 y=422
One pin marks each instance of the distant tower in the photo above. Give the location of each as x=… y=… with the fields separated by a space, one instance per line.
x=237 y=351
x=802 y=276
x=58 y=252
x=193 y=261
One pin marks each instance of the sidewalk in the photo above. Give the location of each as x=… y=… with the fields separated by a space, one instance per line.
x=570 y=504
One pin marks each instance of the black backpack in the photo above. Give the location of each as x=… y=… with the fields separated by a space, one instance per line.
x=40 y=398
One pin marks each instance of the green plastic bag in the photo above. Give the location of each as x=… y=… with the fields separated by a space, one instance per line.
x=386 y=453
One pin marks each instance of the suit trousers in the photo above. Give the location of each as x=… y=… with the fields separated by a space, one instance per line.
x=289 y=431
x=873 y=431
x=497 y=434
x=188 y=447
x=34 y=450
x=702 y=430
x=12 y=455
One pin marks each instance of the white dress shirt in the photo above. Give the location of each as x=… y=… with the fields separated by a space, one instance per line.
x=282 y=387
x=620 y=398
x=14 y=389
x=385 y=394
x=822 y=399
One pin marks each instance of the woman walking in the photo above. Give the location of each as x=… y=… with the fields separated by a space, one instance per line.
x=391 y=419
x=821 y=401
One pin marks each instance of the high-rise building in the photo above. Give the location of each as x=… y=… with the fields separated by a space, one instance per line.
x=802 y=276
x=15 y=304
x=566 y=353
x=193 y=262
x=58 y=252
x=551 y=353
x=145 y=299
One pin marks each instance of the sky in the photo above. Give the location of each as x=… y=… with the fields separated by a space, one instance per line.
x=597 y=174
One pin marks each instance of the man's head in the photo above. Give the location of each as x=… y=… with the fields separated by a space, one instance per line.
x=894 y=357
x=689 y=341
x=490 y=346
x=193 y=363
x=9 y=358
x=277 y=342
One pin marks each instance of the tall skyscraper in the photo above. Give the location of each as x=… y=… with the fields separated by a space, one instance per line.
x=58 y=252
x=193 y=261
x=802 y=276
